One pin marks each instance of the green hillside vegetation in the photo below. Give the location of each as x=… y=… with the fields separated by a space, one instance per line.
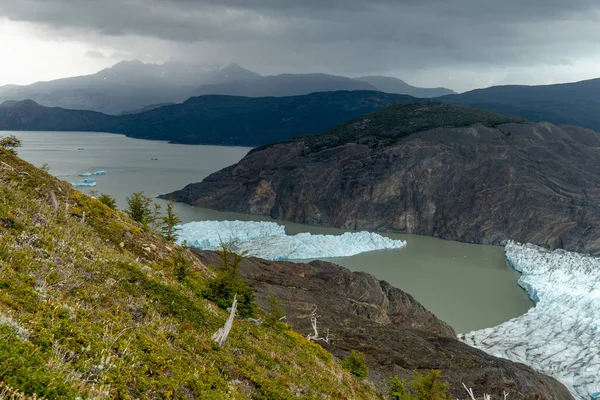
x=94 y=306
x=211 y=119
x=398 y=121
x=575 y=103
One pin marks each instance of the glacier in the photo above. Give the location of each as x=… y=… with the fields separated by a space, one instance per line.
x=268 y=240
x=560 y=336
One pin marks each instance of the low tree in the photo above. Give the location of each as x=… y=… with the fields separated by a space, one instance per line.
x=275 y=315
x=226 y=285
x=138 y=208
x=108 y=201
x=181 y=263
x=169 y=222
x=230 y=259
x=155 y=217
x=10 y=143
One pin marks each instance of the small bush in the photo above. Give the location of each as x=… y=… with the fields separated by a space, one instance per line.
x=221 y=291
x=181 y=263
x=356 y=364
x=273 y=319
x=398 y=389
x=231 y=261
x=108 y=201
x=10 y=143
x=423 y=387
x=138 y=208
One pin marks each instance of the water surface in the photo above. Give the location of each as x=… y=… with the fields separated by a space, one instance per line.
x=469 y=286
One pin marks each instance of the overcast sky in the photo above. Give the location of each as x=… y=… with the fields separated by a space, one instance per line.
x=460 y=44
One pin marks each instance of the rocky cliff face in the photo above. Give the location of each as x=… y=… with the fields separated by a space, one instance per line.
x=397 y=334
x=530 y=182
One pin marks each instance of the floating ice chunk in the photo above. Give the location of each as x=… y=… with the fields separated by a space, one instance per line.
x=101 y=172
x=89 y=180
x=85 y=174
x=268 y=240
x=560 y=336
x=83 y=184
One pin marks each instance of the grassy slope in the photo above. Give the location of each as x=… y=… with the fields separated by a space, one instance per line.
x=92 y=308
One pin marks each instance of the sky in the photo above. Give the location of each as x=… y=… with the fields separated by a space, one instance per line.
x=460 y=44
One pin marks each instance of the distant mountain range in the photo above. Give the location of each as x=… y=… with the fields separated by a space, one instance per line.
x=575 y=103
x=210 y=119
x=266 y=113
x=128 y=85
x=394 y=85
x=285 y=85
x=131 y=86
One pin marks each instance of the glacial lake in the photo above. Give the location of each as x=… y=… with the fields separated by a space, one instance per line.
x=469 y=286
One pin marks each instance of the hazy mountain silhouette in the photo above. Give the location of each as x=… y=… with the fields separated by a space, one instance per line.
x=394 y=85
x=126 y=86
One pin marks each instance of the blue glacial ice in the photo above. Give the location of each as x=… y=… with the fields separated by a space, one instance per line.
x=85 y=174
x=83 y=184
x=560 y=336
x=100 y=172
x=268 y=240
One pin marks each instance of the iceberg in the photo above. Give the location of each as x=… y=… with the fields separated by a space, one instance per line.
x=560 y=336
x=268 y=240
x=85 y=174
x=83 y=184
x=89 y=180
x=101 y=172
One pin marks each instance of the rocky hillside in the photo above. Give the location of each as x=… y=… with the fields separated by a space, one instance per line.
x=397 y=334
x=433 y=169
x=92 y=306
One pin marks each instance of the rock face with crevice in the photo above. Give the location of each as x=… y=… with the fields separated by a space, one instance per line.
x=430 y=169
x=396 y=333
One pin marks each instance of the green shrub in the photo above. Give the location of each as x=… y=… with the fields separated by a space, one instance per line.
x=181 y=264
x=10 y=143
x=138 y=208
x=108 y=201
x=397 y=390
x=423 y=387
x=273 y=318
x=25 y=369
x=168 y=223
x=222 y=289
x=356 y=364
x=231 y=261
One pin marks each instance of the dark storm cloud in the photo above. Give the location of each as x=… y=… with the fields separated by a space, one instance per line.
x=342 y=35
x=94 y=54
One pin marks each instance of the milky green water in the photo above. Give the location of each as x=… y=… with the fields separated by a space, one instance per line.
x=469 y=286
